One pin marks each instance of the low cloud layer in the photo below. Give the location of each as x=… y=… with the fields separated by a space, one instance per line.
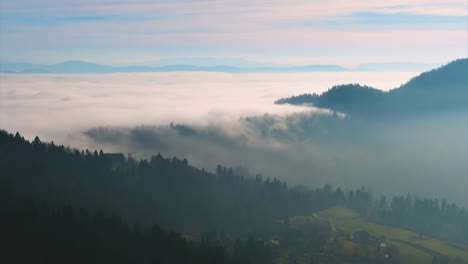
x=52 y=106
x=230 y=119
x=425 y=156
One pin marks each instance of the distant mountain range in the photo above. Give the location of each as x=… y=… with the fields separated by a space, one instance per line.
x=86 y=67
x=210 y=62
x=441 y=89
x=77 y=66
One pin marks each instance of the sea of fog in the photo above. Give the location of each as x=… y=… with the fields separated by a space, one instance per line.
x=131 y=113
x=54 y=107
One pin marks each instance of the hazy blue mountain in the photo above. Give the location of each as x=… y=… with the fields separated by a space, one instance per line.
x=232 y=65
x=323 y=67
x=74 y=66
x=441 y=89
x=77 y=66
x=210 y=62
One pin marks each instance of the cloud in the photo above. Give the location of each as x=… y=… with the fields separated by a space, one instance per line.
x=79 y=101
x=399 y=156
x=289 y=142
x=371 y=22
x=406 y=19
x=257 y=14
x=240 y=27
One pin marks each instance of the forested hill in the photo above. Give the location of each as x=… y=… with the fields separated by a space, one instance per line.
x=441 y=89
x=175 y=195
x=169 y=192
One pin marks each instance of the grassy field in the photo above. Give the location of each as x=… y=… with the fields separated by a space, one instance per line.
x=410 y=254
x=411 y=248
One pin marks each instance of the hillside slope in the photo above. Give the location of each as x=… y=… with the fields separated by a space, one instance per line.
x=441 y=89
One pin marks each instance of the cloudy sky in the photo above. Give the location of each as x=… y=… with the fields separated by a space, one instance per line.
x=287 y=32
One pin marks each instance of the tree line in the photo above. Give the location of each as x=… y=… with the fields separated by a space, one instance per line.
x=426 y=216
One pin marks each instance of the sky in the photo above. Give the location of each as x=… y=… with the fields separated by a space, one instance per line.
x=284 y=32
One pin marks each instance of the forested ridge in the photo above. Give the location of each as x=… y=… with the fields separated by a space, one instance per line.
x=438 y=90
x=168 y=191
x=221 y=206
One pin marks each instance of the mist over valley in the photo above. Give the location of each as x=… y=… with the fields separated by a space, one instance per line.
x=233 y=132
x=231 y=119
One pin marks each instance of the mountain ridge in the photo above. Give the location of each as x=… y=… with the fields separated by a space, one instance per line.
x=439 y=89
x=79 y=66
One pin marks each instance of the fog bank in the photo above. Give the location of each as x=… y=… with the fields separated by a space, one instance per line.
x=230 y=119
x=55 y=106
x=426 y=156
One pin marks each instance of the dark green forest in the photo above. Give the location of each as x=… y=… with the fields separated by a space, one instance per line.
x=34 y=233
x=110 y=202
x=162 y=190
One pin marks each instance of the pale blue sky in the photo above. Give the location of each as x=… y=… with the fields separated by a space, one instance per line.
x=285 y=32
